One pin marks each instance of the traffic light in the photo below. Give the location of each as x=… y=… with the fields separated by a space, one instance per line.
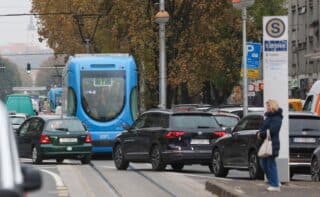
x=28 y=68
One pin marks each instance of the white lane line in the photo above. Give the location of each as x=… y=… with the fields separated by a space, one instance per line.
x=61 y=188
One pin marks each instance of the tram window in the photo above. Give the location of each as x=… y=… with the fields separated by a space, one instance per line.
x=72 y=102
x=134 y=103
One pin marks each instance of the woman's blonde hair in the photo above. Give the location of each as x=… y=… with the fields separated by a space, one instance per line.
x=273 y=105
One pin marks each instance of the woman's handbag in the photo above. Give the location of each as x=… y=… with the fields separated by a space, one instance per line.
x=266 y=147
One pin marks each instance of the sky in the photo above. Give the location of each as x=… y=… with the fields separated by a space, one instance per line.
x=15 y=29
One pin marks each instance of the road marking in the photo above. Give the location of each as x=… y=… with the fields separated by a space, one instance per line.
x=61 y=188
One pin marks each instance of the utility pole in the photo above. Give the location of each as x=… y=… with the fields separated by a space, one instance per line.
x=162 y=17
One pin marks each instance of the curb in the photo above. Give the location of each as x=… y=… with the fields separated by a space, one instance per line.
x=222 y=190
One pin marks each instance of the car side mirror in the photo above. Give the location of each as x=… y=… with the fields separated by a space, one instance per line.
x=32 y=179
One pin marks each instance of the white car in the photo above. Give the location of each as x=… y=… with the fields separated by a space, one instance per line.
x=15 y=179
x=17 y=119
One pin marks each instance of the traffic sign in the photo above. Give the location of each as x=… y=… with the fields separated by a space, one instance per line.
x=254 y=55
x=240 y=4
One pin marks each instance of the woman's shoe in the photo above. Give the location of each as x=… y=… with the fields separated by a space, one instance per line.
x=273 y=189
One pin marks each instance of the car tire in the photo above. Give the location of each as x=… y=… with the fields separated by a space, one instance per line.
x=156 y=159
x=59 y=161
x=255 y=170
x=216 y=167
x=177 y=166
x=118 y=158
x=85 y=159
x=315 y=169
x=35 y=156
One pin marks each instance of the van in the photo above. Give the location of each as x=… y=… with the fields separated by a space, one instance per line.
x=20 y=104
x=312 y=102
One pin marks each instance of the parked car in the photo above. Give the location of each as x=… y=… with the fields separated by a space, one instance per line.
x=225 y=119
x=315 y=165
x=164 y=137
x=238 y=150
x=15 y=180
x=17 y=119
x=54 y=137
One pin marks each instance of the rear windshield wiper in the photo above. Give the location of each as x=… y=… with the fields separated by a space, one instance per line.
x=62 y=129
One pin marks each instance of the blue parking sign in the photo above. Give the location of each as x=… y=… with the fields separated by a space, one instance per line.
x=254 y=55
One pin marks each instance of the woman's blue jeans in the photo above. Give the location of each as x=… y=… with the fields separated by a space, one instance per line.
x=269 y=167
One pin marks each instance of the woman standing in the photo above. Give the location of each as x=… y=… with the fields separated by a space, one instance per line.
x=272 y=122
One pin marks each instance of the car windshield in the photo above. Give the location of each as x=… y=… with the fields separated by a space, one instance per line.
x=226 y=121
x=304 y=123
x=194 y=121
x=69 y=125
x=17 y=120
x=103 y=93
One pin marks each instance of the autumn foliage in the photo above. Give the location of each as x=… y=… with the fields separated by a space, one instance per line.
x=203 y=42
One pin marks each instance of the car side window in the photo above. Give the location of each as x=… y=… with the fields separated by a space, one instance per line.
x=34 y=125
x=164 y=121
x=241 y=125
x=254 y=123
x=24 y=128
x=152 y=120
x=140 y=123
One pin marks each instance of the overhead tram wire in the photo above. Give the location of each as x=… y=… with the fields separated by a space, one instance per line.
x=51 y=14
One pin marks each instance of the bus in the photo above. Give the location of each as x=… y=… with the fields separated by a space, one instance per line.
x=101 y=90
x=54 y=98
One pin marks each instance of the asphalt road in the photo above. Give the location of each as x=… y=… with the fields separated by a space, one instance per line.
x=102 y=179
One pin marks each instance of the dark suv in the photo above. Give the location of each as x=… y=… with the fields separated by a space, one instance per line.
x=238 y=150
x=165 y=137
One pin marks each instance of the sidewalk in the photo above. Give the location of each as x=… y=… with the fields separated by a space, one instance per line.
x=250 y=188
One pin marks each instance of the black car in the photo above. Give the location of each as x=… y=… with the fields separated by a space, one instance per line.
x=238 y=150
x=164 y=137
x=54 y=137
x=315 y=165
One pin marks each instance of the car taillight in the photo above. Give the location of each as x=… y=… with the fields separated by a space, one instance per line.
x=219 y=133
x=44 y=139
x=88 y=138
x=174 y=134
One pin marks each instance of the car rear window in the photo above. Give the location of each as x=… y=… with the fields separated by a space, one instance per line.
x=193 y=121
x=64 y=125
x=227 y=121
x=17 y=120
x=304 y=123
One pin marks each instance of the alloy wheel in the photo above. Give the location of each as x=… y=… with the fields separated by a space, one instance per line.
x=118 y=156
x=253 y=164
x=216 y=162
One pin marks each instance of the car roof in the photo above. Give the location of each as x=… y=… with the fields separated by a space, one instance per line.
x=222 y=113
x=171 y=112
x=56 y=117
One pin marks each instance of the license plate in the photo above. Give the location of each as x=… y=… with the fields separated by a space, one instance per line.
x=200 y=141
x=304 y=140
x=68 y=140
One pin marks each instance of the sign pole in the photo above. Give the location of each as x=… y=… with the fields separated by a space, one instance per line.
x=244 y=62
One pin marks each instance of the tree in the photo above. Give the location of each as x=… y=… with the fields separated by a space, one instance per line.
x=203 y=41
x=9 y=78
x=50 y=77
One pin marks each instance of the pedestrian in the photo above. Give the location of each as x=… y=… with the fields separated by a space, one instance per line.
x=272 y=122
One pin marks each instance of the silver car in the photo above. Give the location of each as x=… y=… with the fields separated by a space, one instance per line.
x=15 y=180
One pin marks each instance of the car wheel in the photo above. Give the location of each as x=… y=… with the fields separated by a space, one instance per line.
x=118 y=158
x=217 y=167
x=36 y=157
x=255 y=170
x=177 y=166
x=156 y=159
x=315 y=170
x=86 y=159
x=59 y=161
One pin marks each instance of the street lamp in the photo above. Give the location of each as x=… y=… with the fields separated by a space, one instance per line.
x=243 y=5
x=162 y=17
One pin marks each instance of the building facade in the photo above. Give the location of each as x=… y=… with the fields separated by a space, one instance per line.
x=304 y=42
